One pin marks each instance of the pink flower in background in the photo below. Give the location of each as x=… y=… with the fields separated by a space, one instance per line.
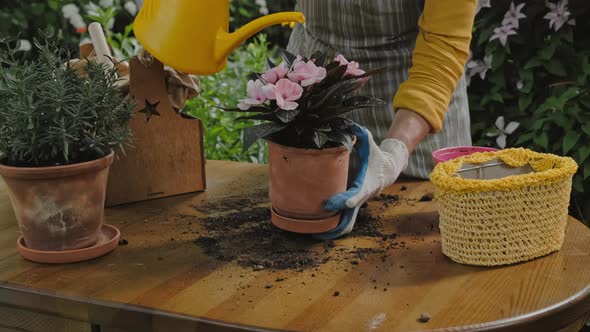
x=274 y=74
x=353 y=66
x=513 y=15
x=502 y=32
x=559 y=15
x=285 y=92
x=256 y=95
x=307 y=73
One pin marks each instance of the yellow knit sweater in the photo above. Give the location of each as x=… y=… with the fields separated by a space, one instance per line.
x=438 y=61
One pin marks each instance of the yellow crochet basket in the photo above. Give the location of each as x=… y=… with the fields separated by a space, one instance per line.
x=503 y=207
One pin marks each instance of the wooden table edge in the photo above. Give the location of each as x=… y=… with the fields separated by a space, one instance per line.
x=575 y=308
x=145 y=314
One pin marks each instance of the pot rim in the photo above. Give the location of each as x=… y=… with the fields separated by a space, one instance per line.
x=32 y=173
x=315 y=152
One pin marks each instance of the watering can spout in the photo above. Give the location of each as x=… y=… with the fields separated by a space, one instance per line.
x=227 y=42
x=193 y=36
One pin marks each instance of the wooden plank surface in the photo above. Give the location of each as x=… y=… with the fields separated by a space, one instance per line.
x=162 y=281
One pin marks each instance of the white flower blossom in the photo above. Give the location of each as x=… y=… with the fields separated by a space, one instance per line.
x=502 y=33
x=481 y=67
x=263 y=7
x=483 y=4
x=24 y=45
x=559 y=15
x=106 y=3
x=70 y=10
x=131 y=7
x=77 y=21
x=503 y=131
x=513 y=15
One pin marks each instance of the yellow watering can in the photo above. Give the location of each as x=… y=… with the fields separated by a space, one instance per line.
x=193 y=35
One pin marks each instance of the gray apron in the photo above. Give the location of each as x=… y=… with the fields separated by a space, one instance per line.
x=380 y=33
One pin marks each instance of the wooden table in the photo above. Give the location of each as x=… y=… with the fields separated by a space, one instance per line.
x=156 y=283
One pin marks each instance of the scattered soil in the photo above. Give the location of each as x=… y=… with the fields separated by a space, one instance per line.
x=240 y=231
x=249 y=238
x=336 y=293
x=123 y=242
x=404 y=188
x=427 y=198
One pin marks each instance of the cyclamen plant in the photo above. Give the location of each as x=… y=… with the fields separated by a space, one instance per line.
x=304 y=101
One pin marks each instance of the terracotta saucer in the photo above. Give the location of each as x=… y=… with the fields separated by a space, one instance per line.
x=305 y=226
x=108 y=240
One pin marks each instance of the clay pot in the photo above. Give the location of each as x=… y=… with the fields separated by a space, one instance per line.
x=300 y=181
x=59 y=208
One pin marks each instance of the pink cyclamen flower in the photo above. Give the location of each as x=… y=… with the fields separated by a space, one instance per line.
x=559 y=15
x=306 y=72
x=353 y=66
x=256 y=95
x=274 y=74
x=502 y=32
x=513 y=15
x=285 y=92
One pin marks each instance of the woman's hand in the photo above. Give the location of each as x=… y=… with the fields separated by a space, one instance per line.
x=380 y=166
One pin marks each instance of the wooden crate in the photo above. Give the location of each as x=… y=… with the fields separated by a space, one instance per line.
x=167 y=155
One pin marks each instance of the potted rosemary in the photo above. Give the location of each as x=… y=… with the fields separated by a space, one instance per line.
x=58 y=129
x=302 y=103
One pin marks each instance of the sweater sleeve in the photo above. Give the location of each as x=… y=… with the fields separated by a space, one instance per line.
x=439 y=58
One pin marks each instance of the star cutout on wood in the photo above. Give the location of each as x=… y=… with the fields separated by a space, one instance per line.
x=150 y=110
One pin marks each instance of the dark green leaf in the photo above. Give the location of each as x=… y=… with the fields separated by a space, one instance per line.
x=583 y=153
x=555 y=67
x=578 y=183
x=261 y=116
x=542 y=140
x=586 y=169
x=532 y=63
x=344 y=139
x=570 y=140
x=586 y=129
x=319 y=139
x=548 y=51
x=254 y=133
x=287 y=116
x=525 y=138
x=524 y=102
x=288 y=57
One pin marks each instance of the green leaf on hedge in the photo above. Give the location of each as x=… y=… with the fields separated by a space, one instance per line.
x=542 y=140
x=583 y=154
x=586 y=128
x=498 y=60
x=524 y=102
x=525 y=138
x=586 y=169
x=532 y=63
x=570 y=140
x=555 y=67
x=578 y=183
x=254 y=133
x=548 y=52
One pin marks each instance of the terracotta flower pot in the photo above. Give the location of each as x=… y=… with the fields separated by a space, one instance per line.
x=59 y=208
x=300 y=181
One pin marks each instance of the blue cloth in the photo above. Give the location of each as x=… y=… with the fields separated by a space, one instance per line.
x=338 y=202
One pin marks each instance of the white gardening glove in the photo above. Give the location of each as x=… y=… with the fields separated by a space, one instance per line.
x=380 y=168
